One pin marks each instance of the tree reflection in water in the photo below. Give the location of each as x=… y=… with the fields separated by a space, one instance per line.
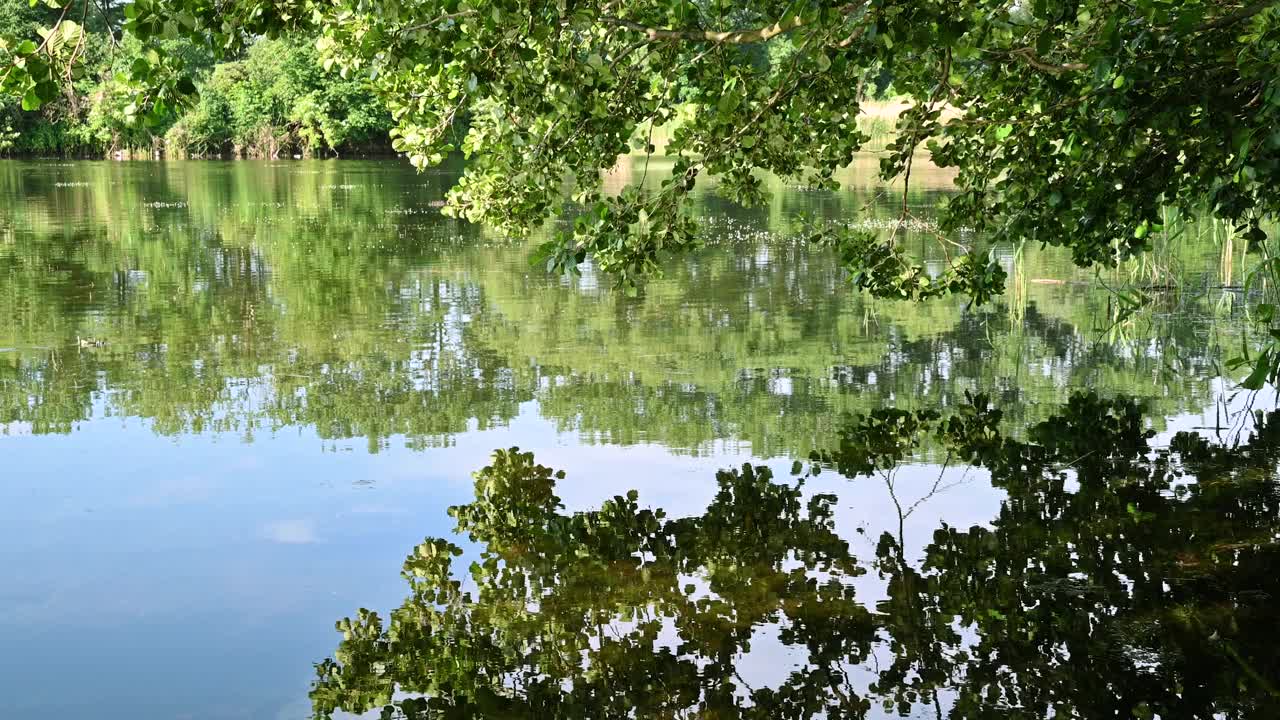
x=1118 y=580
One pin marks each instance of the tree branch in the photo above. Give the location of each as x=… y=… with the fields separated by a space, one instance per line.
x=1028 y=56
x=721 y=37
x=437 y=21
x=1243 y=13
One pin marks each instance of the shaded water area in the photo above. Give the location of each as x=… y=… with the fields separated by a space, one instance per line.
x=233 y=397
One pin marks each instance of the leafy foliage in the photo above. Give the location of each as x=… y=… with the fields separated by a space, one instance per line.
x=279 y=100
x=884 y=270
x=107 y=91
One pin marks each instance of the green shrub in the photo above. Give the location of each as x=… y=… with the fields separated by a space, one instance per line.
x=275 y=101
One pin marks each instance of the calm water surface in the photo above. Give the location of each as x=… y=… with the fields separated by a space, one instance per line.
x=234 y=396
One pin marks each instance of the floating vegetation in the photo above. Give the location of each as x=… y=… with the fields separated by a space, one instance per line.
x=913 y=224
x=430 y=210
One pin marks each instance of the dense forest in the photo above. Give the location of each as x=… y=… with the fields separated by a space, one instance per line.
x=274 y=99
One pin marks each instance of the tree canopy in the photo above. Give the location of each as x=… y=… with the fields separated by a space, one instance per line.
x=1070 y=123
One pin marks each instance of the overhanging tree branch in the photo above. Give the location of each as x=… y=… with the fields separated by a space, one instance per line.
x=1242 y=14
x=1028 y=56
x=432 y=23
x=721 y=37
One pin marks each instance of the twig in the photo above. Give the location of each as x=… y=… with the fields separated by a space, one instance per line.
x=1230 y=19
x=1028 y=56
x=437 y=21
x=723 y=37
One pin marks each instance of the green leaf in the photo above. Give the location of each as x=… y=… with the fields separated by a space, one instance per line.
x=31 y=100
x=46 y=91
x=1258 y=378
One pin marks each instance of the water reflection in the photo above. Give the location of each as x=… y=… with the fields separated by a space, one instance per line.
x=194 y=358
x=251 y=297
x=1117 y=580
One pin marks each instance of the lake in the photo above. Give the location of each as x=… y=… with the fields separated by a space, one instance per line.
x=235 y=396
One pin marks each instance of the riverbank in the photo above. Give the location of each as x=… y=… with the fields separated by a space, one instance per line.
x=878 y=119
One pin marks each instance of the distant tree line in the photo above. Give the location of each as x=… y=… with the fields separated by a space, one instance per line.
x=273 y=99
